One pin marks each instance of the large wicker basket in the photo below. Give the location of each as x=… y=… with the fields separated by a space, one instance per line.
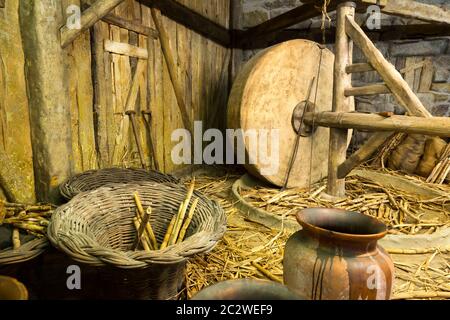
x=21 y=263
x=93 y=179
x=96 y=228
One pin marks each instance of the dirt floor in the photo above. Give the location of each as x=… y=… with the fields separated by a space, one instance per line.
x=251 y=250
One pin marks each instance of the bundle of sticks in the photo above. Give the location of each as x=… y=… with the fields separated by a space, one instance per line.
x=32 y=219
x=176 y=230
x=442 y=168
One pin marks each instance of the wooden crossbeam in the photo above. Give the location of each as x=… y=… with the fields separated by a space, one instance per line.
x=287 y=19
x=368 y=90
x=358 y=67
x=417 y=10
x=192 y=20
x=88 y=18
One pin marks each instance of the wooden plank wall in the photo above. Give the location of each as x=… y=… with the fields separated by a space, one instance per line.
x=202 y=68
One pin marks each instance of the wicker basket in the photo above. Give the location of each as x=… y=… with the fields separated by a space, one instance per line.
x=96 y=228
x=21 y=263
x=93 y=179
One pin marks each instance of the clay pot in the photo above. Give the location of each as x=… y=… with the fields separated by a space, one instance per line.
x=336 y=257
x=246 y=289
x=11 y=289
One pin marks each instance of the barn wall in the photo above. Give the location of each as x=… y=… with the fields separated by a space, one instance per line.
x=16 y=165
x=202 y=66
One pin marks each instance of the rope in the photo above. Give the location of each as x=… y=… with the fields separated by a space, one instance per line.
x=325 y=17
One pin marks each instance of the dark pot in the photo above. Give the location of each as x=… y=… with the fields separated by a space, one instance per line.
x=336 y=257
x=246 y=289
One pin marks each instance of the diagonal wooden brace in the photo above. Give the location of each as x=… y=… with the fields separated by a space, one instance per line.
x=396 y=84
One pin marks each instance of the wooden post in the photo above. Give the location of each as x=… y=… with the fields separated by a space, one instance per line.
x=88 y=18
x=48 y=96
x=341 y=103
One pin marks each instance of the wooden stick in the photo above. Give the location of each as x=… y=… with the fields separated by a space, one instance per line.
x=88 y=18
x=149 y=229
x=181 y=214
x=143 y=223
x=341 y=103
x=188 y=221
x=138 y=226
x=165 y=242
x=266 y=273
x=363 y=153
x=125 y=49
x=16 y=238
x=436 y=126
x=177 y=87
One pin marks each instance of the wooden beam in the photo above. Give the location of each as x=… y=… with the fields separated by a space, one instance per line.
x=358 y=67
x=192 y=20
x=368 y=90
x=171 y=66
x=341 y=103
x=386 y=33
x=363 y=153
x=130 y=25
x=48 y=93
x=287 y=19
x=88 y=18
x=125 y=49
x=435 y=126
x=393 y=79
x=417 y=10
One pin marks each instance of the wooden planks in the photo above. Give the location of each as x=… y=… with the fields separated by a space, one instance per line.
x=125 y=49
x=197 y=64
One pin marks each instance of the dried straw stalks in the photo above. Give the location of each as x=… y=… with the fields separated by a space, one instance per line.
x=32 y=219
x=249 y=250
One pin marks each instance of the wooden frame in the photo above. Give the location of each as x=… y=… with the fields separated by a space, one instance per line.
x=89 y=17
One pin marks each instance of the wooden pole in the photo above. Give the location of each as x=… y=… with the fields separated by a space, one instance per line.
x=396 y=84
x=393 y=79
x=88 y=18
x=436 y=126
x=341 y=103
x=177 y=87
x=48 y=94
x=417 y=10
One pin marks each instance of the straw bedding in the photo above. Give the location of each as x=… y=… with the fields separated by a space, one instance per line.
x=250 y=250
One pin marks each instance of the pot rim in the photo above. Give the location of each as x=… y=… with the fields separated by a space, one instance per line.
x=308 y=226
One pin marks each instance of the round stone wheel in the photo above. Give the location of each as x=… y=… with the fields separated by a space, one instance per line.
x=264 y=95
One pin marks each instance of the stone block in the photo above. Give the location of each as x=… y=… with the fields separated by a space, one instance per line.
x=419 y=48
x=255 y=17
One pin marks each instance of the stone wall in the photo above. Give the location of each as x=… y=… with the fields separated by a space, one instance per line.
x=403 y=54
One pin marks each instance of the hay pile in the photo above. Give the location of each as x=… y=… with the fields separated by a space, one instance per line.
x=250 y=250
x=403 y=212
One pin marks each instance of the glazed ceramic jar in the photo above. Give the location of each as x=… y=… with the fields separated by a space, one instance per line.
x=336 y=256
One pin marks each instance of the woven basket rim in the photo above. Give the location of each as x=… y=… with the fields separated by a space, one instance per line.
x=98 y=255
x=25 y=252
x=69 y=192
